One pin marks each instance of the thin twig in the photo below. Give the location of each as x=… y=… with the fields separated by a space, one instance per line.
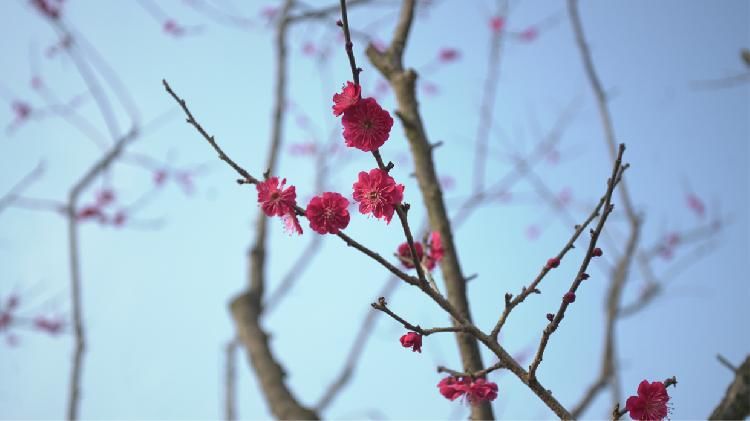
x=382 y=305
x=481 y=373
x=608 y=208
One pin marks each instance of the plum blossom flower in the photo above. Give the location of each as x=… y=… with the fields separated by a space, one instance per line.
x=349 y=96
x=328 y=213
x=412 y=340
x=447 y=55
x=650 y=403
x=366 y=125
x=452 y=388
x=481 y=390
x=429 y=260
x=404 y=254
x=476 y=390
x=497 y=23
x=274 y=199
x=436 y=246
x=377 y=193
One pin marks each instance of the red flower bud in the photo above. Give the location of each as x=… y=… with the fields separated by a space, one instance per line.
x=412 y=340
x=550 y=317
x=553 y=263
x=597 y=252
x=569 y=297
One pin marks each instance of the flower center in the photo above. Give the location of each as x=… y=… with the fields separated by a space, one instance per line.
x=374 y=196
x=275 y=196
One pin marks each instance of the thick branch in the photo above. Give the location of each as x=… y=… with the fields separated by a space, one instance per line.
x=389 y=63
x=735 y=405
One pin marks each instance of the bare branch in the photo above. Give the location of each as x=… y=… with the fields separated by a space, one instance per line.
x=608 y=208
x=735 y=405
x=21 y=185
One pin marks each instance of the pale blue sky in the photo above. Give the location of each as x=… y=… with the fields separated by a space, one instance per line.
x=155 y=298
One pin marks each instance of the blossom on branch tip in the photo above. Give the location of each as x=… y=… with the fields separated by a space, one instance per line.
x=377 y=193
x=366 y=125
x=274 y=199
x=650 y=403
x=349 y=96
x=328 y=213
x=412 y=340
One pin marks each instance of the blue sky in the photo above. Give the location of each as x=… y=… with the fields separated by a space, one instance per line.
x=156 y=290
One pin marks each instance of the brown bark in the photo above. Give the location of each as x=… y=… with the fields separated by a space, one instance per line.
x=736 y=402
x=402 y=81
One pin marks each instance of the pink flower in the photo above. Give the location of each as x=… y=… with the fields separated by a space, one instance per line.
x=696 y=205
x=651 y=402
x=328 y=213
x=377 y=193
x=309 y=49
x=5 y=319
x=476 y=391
x=173 y=28
x=12 y=302
x=412 y=340
x=436 y=246
x=160 y=177
x=404 y=254
x=274 y=199
x=21 y=109
x=105 y=197
x=90 y=212
x=49 y=325
x=48 y=8
x=529 y=34
x=497 y=23
x=119 y=219
x=291 y=224
x=303 y=148
x=481 y=390
x=366 y=125
x=446 y=55
x=452 y=387
x=349 y=97
x=565 y=196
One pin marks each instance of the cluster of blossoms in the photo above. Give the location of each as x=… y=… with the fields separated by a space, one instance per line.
x=474 y=390
x=366 y=127
x=429 y=259
x=50 y=325
x=650 y=403
x=97 y=210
